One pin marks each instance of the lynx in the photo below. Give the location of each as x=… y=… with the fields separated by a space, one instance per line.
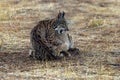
x=50 y=38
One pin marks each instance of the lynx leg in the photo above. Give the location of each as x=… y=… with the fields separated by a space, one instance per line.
x=62 y=51
x=71 y=44
x=72 y=50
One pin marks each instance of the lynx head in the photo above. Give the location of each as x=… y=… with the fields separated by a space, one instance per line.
x=60 y=24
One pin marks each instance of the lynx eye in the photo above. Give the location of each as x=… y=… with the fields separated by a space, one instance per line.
x=54 y=26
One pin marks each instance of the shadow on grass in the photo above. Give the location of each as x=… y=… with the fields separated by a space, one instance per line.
x=21 y=61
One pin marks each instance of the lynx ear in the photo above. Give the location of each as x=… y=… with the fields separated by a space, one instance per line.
x=61 y=15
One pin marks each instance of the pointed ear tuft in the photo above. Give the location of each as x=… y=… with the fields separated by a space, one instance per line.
x=61 y=15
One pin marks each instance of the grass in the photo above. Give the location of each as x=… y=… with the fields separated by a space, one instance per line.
x=94 y=26
x=1 y=43
x=95 y=22
x=4 y=16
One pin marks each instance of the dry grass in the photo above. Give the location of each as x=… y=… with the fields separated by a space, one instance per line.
x=94 y=25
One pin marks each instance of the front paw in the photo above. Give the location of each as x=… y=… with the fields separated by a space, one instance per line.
x=74 y=51
x=65 y=54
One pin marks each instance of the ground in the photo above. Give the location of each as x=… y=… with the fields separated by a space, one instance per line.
x=94 y=26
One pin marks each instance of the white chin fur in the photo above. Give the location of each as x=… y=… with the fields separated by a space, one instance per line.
x=56 y=29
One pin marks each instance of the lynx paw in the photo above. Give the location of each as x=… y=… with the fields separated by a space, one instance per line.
x=64 y=54
x=74 y=51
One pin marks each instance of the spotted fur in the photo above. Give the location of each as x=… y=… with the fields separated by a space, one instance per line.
x=49 y=38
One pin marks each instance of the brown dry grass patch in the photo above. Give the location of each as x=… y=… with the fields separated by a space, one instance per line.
x=94 y=26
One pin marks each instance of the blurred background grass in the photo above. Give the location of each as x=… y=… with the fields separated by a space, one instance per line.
x=94 y=26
